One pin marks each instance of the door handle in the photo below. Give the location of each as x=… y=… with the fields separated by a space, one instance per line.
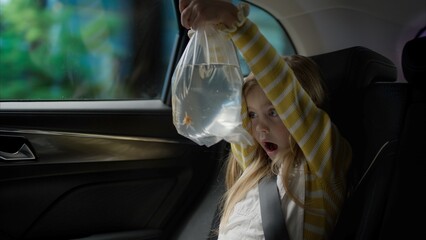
x=24 y=153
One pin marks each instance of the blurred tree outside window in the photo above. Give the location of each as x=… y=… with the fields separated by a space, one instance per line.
x=85 y=49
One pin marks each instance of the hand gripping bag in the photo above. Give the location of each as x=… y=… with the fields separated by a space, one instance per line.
x=207 y=90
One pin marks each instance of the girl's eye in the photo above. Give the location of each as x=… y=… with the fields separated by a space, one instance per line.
x=273 y=113
x=251 y=114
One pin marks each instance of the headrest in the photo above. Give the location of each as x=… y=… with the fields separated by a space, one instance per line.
x=414 y=61
x=354 y=68
x=348 y=73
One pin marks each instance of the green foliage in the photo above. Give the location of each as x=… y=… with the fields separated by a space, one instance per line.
x=49 y=53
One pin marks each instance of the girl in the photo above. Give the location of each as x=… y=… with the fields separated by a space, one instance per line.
x=295 y=138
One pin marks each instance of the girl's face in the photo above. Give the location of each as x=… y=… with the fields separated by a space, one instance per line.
x=266 y=126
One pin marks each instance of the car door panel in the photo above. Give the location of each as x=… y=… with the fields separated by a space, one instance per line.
x=89 y=180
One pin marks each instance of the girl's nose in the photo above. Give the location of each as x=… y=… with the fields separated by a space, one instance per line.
x=262 y=127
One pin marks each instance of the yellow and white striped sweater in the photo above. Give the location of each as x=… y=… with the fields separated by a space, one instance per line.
x=327 y=153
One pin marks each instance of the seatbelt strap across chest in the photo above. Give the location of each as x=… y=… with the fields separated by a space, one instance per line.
x=273 y=222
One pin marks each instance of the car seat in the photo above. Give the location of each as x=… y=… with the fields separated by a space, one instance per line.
x=406 y=208
x=368 y=107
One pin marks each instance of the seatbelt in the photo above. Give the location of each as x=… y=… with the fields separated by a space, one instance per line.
x=273 y=222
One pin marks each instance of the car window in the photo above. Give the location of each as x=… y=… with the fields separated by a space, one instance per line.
x=96 y=49
x=273 y=31
x=85 y=49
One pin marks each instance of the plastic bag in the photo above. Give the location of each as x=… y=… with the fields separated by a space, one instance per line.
x=207 y=90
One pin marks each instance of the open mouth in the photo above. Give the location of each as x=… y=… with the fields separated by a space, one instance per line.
x=270 y=147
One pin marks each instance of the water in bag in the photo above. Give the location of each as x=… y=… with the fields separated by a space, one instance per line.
x=202 y=119
x=207 y=90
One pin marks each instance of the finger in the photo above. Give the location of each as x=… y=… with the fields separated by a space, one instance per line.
x=183 y=4
x=185 y=18
x=196 y=21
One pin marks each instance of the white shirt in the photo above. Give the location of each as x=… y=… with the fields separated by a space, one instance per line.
x=245 y=222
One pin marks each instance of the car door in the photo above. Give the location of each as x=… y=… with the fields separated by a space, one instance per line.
x=87 y=143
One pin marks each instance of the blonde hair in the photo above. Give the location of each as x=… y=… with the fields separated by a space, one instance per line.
x=239 y=181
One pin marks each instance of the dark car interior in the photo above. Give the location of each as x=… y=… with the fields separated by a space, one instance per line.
x=374 y=208
x=131 y=197
x=382 y=127
x=373 y=112
x=124 y=174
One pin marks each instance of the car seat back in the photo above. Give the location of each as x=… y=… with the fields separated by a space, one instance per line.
x=368 y=107
x=348 y=74
x=405 y=210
